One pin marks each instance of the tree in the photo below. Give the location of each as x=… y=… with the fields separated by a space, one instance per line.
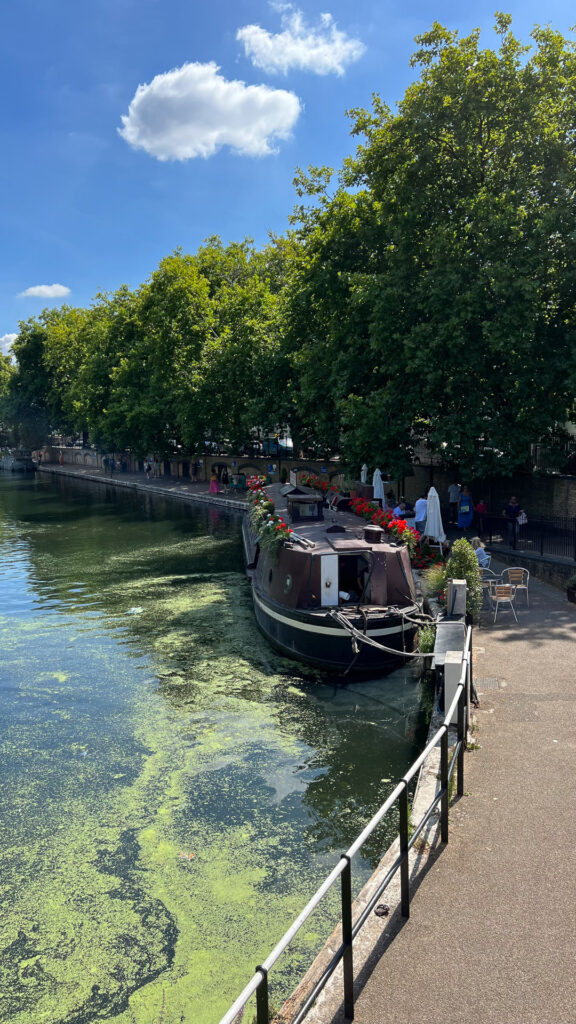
x=436 y=297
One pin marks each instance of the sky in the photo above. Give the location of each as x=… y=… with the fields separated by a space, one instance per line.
x=131 y=127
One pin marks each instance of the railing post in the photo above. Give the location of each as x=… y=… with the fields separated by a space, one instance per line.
x=262 y=1008
x=462 y=734
x=347 y=959
x=444 y=784
x=405 y=863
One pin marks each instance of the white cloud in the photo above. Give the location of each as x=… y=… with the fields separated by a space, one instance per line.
x=193 y=111
x=6 y=342
x=324 y=50
x=46 y=291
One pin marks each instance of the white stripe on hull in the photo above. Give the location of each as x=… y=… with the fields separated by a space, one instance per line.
x=337 y=632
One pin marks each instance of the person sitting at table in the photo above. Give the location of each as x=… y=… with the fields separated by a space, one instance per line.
x=400 y=510
x=481 y=554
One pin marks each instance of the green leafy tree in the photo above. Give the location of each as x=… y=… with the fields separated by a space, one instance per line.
x=436 y=294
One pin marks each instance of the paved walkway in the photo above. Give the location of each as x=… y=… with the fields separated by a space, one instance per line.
x=175 y=487
x=492 y=932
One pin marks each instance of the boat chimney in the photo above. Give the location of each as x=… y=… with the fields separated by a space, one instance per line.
x=373 y=534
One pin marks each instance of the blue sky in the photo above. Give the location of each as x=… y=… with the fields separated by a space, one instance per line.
x=130 y=127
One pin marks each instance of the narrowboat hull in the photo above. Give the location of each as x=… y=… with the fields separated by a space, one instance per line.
x=315 y=638
x=17 y=464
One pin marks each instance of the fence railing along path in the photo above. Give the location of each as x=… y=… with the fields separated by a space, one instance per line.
x=407 y=837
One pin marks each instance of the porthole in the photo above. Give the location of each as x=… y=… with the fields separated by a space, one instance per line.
x=288 y=584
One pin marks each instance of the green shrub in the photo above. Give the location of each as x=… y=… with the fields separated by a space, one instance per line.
x=461 y=565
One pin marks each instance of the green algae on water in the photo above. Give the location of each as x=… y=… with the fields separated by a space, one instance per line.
x=173 y=791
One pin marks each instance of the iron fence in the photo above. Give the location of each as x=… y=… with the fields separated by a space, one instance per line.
x=549 y=535
x=343 y=870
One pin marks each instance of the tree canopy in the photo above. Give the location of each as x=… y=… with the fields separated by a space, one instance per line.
x=437 y=284
x=428 y=298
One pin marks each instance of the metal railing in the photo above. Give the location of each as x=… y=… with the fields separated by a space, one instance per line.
x=545 y=535
x=343 y=870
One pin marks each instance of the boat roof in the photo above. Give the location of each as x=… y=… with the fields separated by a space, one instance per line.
x=339 y=531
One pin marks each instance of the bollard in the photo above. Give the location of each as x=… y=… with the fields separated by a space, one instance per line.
x=452 y=673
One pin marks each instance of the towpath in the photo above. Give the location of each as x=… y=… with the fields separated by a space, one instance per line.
x=492 y=931
x=174 y=487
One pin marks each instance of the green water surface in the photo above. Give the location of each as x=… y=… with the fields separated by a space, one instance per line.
x=172 y=790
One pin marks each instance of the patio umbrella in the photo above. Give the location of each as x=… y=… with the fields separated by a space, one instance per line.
x=364 y=474
x=378 y=485
x=434 y=528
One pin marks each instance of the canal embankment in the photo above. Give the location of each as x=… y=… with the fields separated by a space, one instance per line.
x=491 y=932
x=171 y=487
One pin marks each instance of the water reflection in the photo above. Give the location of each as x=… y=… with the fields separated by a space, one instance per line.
x=145 y=716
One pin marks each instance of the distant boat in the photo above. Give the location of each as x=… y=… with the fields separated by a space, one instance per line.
x=17 y=461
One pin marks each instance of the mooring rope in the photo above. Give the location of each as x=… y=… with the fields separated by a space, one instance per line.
x=357 y=635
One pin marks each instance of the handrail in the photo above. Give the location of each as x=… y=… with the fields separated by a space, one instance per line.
x=259 y=983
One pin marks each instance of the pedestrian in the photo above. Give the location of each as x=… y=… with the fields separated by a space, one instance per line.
x=511 y=511
x=156 y=468
x=480 y=510
x=453 y=496
x=61 y=459
x=194 y=472
x=420 y=512
x=147 y=469
x=465 y=509
x=225 y=479
x=214 y=489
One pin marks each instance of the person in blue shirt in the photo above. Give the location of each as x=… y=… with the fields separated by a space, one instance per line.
x=465 y=509
x=481 y=554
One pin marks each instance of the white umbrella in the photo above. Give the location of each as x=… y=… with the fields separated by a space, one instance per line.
x=364 y=474
x=378 y=485
x=434 y=528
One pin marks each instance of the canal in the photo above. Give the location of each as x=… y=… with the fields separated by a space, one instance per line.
x=172 y=790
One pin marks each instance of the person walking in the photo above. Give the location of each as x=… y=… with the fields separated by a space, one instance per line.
x=511 y=511
x=453 y=496
x=465 y=509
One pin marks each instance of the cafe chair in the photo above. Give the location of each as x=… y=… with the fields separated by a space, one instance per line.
x=502 y=594
x=519 y=578
x=488 y=578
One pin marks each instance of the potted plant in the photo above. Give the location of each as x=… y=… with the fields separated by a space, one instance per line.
x=571 y=588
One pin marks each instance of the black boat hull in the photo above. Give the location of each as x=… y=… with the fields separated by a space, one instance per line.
x=315 y=638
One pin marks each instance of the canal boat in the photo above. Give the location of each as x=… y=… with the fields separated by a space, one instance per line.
x=335 y=592
x=17 y=461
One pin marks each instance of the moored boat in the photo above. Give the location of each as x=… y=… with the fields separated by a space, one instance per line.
x=17 y=461
x=328 y=589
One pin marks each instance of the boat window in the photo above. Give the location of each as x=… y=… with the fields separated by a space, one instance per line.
x=288 y=584
x=270 y=574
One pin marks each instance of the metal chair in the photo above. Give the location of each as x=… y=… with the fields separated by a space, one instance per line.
x=502 y=593
x=488 y=578
x=519 y=578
